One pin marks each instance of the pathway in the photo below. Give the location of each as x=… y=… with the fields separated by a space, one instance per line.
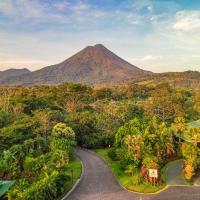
x=175 y=174
x=99 y=183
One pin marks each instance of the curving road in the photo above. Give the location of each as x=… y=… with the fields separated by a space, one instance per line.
x=175 y=174
x=99 y=183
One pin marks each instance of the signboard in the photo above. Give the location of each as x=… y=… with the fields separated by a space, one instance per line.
x=153 y=173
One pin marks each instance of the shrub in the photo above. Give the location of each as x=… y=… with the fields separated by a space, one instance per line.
x=137 y=178
x=112 y=154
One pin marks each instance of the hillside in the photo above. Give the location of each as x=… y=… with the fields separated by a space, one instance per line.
x=10 y=73
x=187 y=79
x=93 y=65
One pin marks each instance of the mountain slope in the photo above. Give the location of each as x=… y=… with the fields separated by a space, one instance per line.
x=93 y=65
x=187 y=79
x=10 y=73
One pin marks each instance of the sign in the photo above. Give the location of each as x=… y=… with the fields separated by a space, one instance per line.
x=153 y=173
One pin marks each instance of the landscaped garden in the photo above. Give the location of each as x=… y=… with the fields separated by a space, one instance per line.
x=143 y=145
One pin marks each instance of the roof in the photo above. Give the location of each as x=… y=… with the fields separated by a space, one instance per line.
x=4 y=186
x=195 y=124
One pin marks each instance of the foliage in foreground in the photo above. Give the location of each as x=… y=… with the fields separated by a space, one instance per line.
x=39 y=165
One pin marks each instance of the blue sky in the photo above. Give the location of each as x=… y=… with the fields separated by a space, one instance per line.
x=157 y=35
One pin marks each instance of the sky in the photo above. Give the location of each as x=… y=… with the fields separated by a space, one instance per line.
x=156 y=35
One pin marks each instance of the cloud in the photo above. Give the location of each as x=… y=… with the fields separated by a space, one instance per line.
x=151 y=57
x=63 y=5
x=147 y=58
x=80 y=6
x=19 y=8
x=6 y=7
x=56 y=13
x=187 y=21
x=179 y=31
x=167 y=63
x=148 y=4
x=135 y=19
x=148 y=32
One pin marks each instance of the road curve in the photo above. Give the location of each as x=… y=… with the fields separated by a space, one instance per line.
x=99 y=183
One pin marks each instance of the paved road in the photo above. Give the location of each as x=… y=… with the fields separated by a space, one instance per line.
x=99 y=183
x=175 y=174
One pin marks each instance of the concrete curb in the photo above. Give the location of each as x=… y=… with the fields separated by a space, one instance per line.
x=77 y=182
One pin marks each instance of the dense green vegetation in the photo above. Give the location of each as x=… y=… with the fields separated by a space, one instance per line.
x=39 y=125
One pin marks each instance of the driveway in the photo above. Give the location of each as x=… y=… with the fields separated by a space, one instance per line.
x=99 y=183
x=175 y=174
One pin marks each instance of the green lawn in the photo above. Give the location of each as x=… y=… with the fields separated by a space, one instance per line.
x=76 y=166
x=125 y=180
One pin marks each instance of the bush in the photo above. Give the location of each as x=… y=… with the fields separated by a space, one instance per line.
x=119 y=153
x=137 y=179
x=112 y=154
x=115 y=154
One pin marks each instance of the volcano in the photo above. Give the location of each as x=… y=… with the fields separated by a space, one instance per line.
x=92 y=65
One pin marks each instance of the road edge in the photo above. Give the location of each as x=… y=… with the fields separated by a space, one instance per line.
x=77 y=182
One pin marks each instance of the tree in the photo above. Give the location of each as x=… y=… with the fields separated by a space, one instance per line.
x=61 y=130
x=178 y=126
x=43 y=119
x=5 y=94
x=191 y=154
x=84 y=125
x=134 y=145
x=161 y=104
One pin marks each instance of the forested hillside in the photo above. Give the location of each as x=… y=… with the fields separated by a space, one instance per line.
x=187 y=79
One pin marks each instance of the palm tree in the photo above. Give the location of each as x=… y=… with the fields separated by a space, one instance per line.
x=179 y=127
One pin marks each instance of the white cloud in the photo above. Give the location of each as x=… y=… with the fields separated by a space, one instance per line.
x=80 y=6
x=150 y=8
x=6 y=7
x=167 y=63
x=22 y=8
x=151 y=57
x=142 y=4
x=187 y=21
x=148 y=58
x=63 y=5
x=57 y=13
x=135 y=19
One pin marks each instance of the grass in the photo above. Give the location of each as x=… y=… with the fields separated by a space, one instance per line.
x=75 y=166
x=125 y=180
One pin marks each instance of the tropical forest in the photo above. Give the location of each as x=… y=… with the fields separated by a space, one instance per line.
x=134 y=128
